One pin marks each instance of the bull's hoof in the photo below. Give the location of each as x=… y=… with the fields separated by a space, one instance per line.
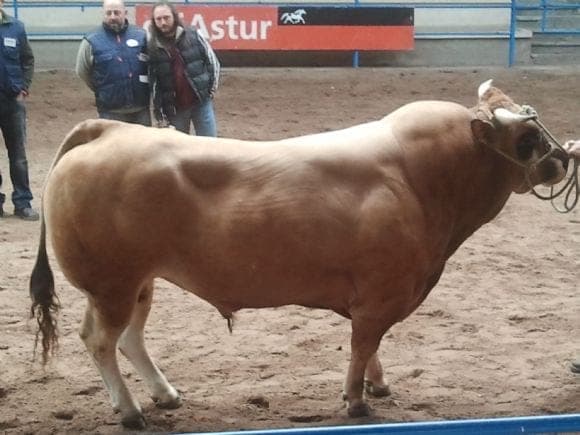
x=377 y=390
x=134 y=421
x=359 y=409
x=168 y=403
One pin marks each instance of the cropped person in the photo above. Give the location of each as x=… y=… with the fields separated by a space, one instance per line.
x=184 y=73
x=573 y=148
x=112 y=61
x=16 y=70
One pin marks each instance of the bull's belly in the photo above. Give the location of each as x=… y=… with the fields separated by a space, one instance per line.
x=230 y=290
x=377 y=285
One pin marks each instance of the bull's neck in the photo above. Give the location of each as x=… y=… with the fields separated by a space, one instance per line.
x=465 y=186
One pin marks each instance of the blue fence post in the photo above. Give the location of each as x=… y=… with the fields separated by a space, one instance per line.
x=15 y=9
x=355 y=55
x=543 y=5
x=512 y=41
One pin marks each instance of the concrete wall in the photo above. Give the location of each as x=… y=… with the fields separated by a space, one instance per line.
x=430 y=52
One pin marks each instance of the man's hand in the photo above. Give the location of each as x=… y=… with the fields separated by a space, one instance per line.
x=573 y=148
x=164 y=123
x=22 y=95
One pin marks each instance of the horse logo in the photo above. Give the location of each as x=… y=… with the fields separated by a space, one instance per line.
x=296 y=17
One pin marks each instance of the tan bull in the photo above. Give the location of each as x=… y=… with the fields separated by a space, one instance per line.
x=359 y=221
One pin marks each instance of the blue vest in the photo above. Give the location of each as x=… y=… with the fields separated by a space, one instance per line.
x=11 y=76
x=119 y=72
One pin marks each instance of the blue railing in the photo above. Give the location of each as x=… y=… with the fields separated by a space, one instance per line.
x=545 y=424
x=546 y=7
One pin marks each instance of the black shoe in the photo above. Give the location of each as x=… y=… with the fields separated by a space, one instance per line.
x=575 y=366
x=26 y=214
x=1 y=211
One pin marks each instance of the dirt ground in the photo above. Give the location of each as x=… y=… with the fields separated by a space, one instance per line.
x=493 y=339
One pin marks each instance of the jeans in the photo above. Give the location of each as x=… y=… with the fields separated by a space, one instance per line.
x=202 y=117
x=142 y=117
x=13 y=126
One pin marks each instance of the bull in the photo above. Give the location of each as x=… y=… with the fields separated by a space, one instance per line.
x=359 y=221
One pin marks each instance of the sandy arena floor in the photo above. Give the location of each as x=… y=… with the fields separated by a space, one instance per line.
x=493 y=339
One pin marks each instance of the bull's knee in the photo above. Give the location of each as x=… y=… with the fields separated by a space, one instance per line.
x=87 y=326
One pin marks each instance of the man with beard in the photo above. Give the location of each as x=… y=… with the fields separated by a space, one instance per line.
x=184 y=73
x=16 y=70
x=112 y=61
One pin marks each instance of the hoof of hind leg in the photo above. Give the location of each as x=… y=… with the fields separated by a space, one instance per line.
x=169 y=403
x=377 y=390
x=135 y=421
x=359 y=409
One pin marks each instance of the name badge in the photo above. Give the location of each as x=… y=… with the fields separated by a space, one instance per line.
x=143 y=78
x=132 y=43
x=9 y=42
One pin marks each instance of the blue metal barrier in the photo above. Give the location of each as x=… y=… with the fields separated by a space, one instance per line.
x=555 y=424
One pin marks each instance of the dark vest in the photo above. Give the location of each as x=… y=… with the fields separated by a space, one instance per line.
x=198 y=70
x=11 y=75
x=119 y=72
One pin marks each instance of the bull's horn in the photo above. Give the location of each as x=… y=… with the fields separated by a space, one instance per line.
x=483 y=88
x=506 y=117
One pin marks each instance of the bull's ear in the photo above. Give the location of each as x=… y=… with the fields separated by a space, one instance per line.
x=483 y=131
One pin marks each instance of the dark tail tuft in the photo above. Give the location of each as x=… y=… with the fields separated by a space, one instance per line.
x=45 y=303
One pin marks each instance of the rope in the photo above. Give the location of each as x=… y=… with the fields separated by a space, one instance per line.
x=572 y=188
x=572 y=185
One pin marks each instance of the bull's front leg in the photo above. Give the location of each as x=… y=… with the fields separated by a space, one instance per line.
x=365 y=339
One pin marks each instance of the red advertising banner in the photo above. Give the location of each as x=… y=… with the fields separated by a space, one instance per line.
x=297 y=28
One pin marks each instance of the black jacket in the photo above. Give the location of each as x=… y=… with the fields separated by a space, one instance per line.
x=201 y=68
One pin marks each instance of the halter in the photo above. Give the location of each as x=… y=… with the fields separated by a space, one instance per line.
x=572 y=185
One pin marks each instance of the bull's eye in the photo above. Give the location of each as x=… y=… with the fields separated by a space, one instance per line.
x=526 y=145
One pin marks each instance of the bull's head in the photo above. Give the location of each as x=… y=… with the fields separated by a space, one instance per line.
x=514 y=132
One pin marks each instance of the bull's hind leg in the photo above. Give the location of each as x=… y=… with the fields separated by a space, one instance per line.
x=374 y=378
x=132 y=345
x=100 y=331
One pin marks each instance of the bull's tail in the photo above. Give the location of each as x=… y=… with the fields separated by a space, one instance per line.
x=45 y=303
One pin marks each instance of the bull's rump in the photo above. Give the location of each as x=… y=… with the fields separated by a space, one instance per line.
x=242 y=224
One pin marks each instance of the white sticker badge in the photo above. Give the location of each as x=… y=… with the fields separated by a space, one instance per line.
x=132 y=43
x=143 y=78
x=9 y=42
